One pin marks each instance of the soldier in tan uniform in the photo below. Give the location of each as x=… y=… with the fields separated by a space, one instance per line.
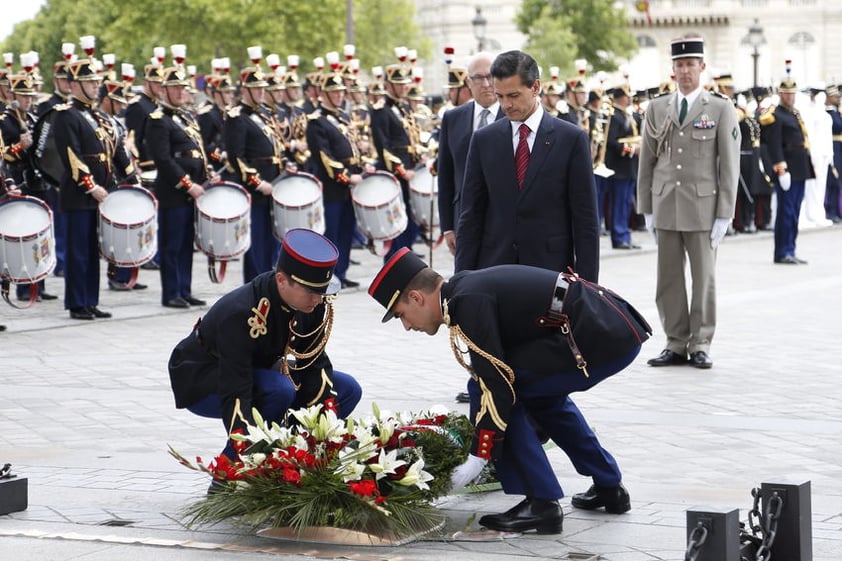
x=687 y=189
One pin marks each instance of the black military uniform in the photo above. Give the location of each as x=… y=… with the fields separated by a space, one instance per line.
x=522 y=371
x=211 y=120
x=332 y=139
x=234 y=359
x=621 y=157
x=139 y=109
x=255 y=154
x=785 y=136
x=82 y=139
x=175 y=146
x=15 y=123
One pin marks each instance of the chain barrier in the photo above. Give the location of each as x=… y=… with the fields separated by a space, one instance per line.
x=697 y=539
x=757 y=545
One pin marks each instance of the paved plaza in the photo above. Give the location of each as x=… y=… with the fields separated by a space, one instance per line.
x=86 y=414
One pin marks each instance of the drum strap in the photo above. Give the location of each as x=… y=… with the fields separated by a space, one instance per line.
x=5 y=285
x=216 y=278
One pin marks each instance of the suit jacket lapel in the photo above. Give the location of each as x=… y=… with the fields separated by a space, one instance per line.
x=540 y=148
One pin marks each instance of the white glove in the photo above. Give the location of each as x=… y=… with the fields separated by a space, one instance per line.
x=717 y=233
x=467 y=472
x=649 y=220
x=785 y=181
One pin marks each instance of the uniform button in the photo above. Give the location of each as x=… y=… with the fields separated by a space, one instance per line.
x=681 y=133
x=485 y=437
x=678 y=183
x=294 y=322
x=292 y=338
x=678 y=166
x=680 y=150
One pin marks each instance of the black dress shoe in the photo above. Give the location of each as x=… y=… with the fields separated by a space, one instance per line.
x=48 y=296
x=667 y=358
x=176 y=303
x=2 y=328
x=97 y=313
x=348 y=283
x=150 y=266
x=615 y=500
x=81 y=313
x=700 y=359
x=625 y=245
x=541 y=515
x=788 y=260
x=463 y=397
x=194 y=301
x=139 y=286
x=118 y=286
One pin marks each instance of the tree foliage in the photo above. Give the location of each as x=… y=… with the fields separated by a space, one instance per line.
x=212 y=29
x=560 y=31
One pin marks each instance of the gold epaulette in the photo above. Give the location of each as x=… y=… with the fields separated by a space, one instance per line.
x=61 y=107
x=234 y=112
x=206 y=108
x=157 y=114
x=768 y=116
x=314 y=116
x=134 y=99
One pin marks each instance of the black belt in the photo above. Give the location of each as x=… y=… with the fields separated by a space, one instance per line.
x=192 y=154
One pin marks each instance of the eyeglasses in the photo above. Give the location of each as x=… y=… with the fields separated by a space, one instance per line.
x=481 y=78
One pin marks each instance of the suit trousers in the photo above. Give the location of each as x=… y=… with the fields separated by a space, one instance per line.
x=340 y=223
x=274 y=395
x=786 y=218
x=543 y=403
x=621 y=198
x=687 y=330
x=265 y=248
x=81 y=274
x=176 y=231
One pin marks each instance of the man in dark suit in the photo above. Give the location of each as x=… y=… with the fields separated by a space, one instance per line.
x=545 y=216
x=457 y=126
x=545 y=219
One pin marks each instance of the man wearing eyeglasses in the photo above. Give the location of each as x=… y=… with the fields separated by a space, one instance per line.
x=457 y=126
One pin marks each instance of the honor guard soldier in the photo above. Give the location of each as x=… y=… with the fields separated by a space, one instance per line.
x=295 y=142
x=458 y=92
x=551 y=93
x=395 y=137
x=16 y=125
x=236 y=358
x=211 y=117
x=833 y=198
x=577 y=99
x=785 y=136
x=755 y=186
x=141 y=106
x=84 y=146
x=113 y=99
x=522 y=372
x=621 y=150
x=175 y=145
x=255 y=159
x=333 y=140
x=61 y=92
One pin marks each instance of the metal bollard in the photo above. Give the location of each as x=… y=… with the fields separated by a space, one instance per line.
x=794 y=537
x=722 y=542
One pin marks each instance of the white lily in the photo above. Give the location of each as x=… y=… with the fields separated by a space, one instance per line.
x=309 y=416
x=387 y=463
x=416 y=475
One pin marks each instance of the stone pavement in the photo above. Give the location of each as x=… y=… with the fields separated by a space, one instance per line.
x=86 y=414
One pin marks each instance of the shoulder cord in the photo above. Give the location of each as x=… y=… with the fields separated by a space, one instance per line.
x=456 y=334
x=316 y=349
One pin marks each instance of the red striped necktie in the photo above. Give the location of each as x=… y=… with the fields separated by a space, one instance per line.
x=522 y=155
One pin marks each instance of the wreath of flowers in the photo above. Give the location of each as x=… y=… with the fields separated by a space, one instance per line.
x=377 y=475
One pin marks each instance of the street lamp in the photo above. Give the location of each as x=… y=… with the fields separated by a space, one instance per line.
x=756 y=40
x=478 y=23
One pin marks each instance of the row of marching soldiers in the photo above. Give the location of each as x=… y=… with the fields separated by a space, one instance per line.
x=250 y=132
